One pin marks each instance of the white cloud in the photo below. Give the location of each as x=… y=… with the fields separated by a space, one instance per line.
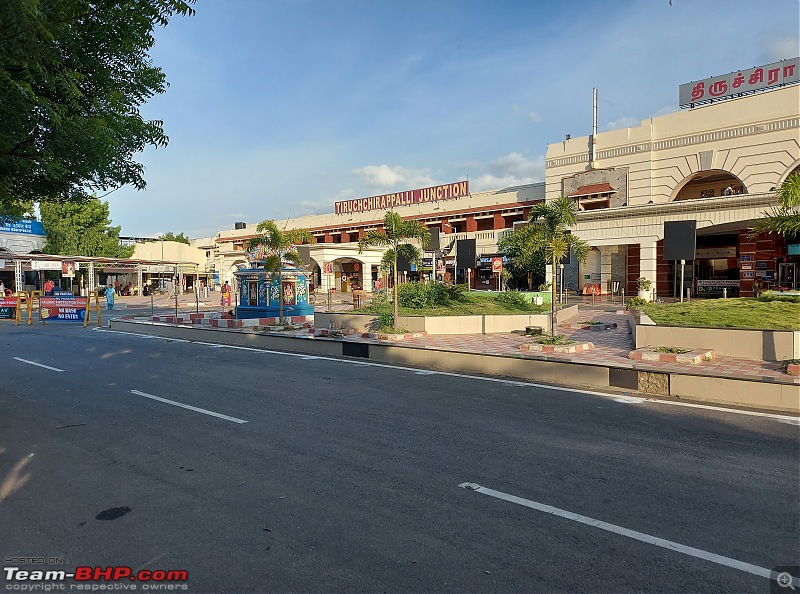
x=512 y=169
x=622 y=122
x=783 y=48
x=389 y=178
x=534 y=117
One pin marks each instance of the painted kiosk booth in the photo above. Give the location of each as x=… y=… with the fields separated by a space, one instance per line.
x=260 y=292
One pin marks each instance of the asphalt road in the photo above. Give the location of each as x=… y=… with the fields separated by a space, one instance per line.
x=345 y=476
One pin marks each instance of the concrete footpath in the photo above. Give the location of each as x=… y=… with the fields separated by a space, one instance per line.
x=724 y=380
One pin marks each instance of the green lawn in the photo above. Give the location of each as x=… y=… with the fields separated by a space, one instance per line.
x=468 y=304
x=728 y=313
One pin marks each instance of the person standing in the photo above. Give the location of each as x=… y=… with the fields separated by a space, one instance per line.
x=110 y=296
x=226 y=294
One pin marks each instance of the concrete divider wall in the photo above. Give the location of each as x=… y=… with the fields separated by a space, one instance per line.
x=478 y=324
x=755 y=394
x=764 y=345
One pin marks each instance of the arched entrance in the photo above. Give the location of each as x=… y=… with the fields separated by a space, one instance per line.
x=712 y=183
x=349 y=274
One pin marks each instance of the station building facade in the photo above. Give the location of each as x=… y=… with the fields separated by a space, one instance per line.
x=717 y=164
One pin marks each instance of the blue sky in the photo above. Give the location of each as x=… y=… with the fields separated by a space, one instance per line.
x=278 y=108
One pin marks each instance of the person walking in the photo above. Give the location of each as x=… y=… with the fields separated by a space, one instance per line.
x=110 y=296
x=226 y=294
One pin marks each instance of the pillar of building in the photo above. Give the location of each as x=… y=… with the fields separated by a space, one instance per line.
x=19 y=276
x=344 y=236
x=606 y=254
x=139 y=279
x=499 y=221
x=647 y=261
x=447 y=228
x=472 y=224
x=328 y=238
x=92 y=280
x=367 y=280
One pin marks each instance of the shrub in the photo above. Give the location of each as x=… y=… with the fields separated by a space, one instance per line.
x=420 y=296
x=767 y=296
x=558 y=339
x=636 y=303
x=386 y=319
x=512 y=298
x=643 y=284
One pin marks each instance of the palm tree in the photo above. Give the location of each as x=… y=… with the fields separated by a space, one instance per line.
x=395 y=235
x=784 y=219
x=547 y=234
x=278 y=247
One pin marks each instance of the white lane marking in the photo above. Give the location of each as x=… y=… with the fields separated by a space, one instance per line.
x=640 y=536
x=38 y=364
x=782 y=418
x=788 y=419
x=141 y=335
x=189 y=407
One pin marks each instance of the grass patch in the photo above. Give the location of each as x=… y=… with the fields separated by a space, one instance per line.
x=464 y=304
x=590 y=323
x=558 y=339
x=671 y=350
x=727 y=313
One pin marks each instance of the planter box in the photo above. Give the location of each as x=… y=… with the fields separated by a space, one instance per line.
x=742 y=343
x=447 y=324
x=535 y=347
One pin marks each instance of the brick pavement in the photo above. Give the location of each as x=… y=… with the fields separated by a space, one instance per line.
x=611 y=347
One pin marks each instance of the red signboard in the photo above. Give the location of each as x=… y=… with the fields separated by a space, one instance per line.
x=389 y=201
x=497 y=264
x=62 y=308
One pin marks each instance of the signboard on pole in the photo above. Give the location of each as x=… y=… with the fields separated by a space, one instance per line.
x=68 y=269
x=497 y=264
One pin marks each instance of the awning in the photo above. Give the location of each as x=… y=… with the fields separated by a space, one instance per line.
x=592 y=190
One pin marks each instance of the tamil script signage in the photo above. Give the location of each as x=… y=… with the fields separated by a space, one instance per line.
x=23 y=226
x=71 y=309
x=740 y=81
x=389 y=201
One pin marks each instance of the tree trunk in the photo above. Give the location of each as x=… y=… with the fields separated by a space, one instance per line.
x=553 y=308
x=396 y=310
x=280 y=296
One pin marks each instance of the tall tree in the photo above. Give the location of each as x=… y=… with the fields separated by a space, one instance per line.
x=523 y=262
x=81 y=229
x=73 y=75
x=547 y=234
x=395 y=235
x=784 y=219
x=278 y=247
x=170 y=236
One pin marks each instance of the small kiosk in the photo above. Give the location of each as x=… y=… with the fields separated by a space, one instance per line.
x=259 y=293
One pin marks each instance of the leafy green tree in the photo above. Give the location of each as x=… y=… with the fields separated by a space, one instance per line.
x=73 y=75
x=170 y=236
x=278 y=247
x=547 y=234
x=525 y=265
x=81 y=229
x=395 y=235
x=784 y=219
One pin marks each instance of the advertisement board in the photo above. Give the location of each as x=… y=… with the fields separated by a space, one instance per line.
x=62 y=309
x=8 y=308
